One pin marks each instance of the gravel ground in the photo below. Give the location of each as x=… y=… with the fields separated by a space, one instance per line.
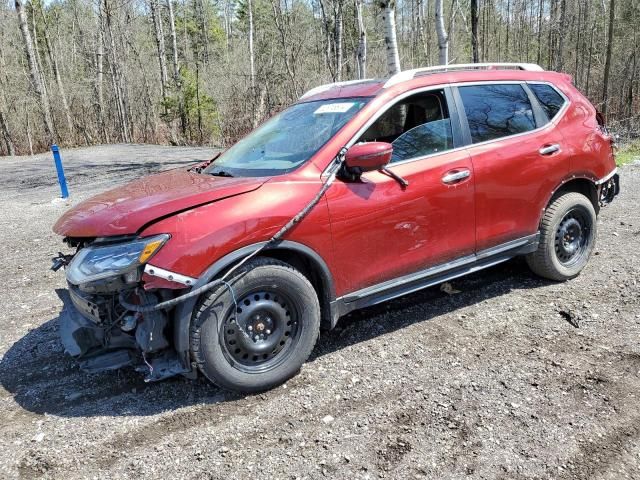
x=511 y=378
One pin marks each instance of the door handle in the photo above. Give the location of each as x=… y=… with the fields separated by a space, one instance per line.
x=549 y=149
x=456 y=176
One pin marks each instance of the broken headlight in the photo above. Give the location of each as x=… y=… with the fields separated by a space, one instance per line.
x=99 y=262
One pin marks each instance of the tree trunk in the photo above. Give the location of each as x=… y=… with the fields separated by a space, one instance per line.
x=474 y=31
x=56 y=72
x=159 y=37
x=174 y=43
x=6 y=135
x=36 y=78
x=114 y=64
x=176 y=68
x=607 y=63
x=390 y=38
x=561 y=32
x=361 y=52
x=443 y=39
x=100 y=113
x=252 y=69
x=338 y=38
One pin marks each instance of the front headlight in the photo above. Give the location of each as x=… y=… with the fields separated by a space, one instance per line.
x=95 y=263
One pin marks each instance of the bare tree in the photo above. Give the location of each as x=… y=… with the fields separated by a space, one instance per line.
x=390 y=39
x=607 y=64
x=34 y=71
x=474 y=31
x=443 y=38
x=156 y=18
x=6 y=134
x=361 y=52
x=99 y=104
x=53 y=59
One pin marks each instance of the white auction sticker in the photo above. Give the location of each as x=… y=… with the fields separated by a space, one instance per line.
x=334 y=108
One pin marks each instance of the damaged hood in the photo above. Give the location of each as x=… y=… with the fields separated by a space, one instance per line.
x=125 y=210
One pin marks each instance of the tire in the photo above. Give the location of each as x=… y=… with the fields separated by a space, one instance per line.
x=263 y=342
x=567 y=237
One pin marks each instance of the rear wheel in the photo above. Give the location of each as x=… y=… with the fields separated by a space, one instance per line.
x=256 y=333
x=567 y=238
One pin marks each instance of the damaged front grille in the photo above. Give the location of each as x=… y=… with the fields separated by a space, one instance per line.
x=98 y=308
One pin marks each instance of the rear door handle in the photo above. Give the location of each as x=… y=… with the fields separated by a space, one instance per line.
x=456 y=176
x=549 y=149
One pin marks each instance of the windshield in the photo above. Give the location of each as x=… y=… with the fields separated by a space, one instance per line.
x=287 y=140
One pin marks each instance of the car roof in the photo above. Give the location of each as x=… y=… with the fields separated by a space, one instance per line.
x=432 y=76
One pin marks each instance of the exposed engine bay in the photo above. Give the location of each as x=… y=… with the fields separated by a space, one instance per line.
x=103 y=335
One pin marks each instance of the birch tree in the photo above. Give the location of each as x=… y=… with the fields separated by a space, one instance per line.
x=361 y=52
x=443 y=38
x=390 y=38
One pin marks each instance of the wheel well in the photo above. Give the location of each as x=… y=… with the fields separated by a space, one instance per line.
x=314 y=273
x=580 y=185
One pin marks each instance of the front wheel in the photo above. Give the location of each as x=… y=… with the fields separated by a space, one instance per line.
x=567 y=238
x=256 y=332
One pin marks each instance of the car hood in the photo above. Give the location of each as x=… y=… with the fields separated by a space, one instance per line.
x=125 y=210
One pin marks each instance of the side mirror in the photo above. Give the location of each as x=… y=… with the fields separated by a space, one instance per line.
x=366 y=157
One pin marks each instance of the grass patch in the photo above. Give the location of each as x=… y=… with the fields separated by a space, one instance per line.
x=628 y=153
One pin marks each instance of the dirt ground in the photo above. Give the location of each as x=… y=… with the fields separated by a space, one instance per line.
x=511 y=378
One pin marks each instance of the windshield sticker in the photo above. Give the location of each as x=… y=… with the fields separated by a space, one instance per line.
x=334 y=108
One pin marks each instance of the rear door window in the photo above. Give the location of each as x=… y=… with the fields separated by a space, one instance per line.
x=496 y=111
x=550 y=100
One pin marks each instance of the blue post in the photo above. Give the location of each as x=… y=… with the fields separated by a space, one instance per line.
x=60 y=170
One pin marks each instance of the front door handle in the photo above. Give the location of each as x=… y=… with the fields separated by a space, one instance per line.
x=456 y=176
x=549 y=149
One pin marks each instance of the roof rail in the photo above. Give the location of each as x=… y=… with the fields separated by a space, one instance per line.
x=329 y=86
x=409 y=74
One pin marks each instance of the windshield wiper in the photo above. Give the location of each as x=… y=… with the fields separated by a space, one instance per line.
x=221 y=173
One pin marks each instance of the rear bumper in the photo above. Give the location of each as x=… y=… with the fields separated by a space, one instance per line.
x=608 y=187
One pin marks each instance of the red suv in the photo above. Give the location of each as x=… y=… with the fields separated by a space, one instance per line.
x=359 y=193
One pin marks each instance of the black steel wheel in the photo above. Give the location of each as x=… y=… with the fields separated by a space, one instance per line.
x=572 y=236
x=260 y=332
x=567 y=237
x=256 y=333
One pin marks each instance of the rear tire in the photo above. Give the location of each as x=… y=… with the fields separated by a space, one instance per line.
x=567 y=238
x=263 y=341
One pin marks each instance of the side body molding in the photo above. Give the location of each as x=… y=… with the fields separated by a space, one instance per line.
x=184 y=311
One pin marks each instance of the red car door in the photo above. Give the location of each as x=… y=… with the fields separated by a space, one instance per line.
x=382 y=231
x=517 y=161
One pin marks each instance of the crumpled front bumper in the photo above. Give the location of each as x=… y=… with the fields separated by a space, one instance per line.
x=100 y=345
x=84 y=340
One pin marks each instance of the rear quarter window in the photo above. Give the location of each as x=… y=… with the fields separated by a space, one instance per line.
x=550 y=100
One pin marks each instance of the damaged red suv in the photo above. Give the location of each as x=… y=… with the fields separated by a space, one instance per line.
x=359 y=193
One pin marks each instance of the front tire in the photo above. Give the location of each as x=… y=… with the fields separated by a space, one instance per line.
x=567 y=238
x=256 y=333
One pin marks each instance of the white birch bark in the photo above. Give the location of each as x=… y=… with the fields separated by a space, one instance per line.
x=443 y=39
x=390 y=37
x=361 y=52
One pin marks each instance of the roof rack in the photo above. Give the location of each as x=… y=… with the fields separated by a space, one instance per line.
x=409 y=74
x=329 y=86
